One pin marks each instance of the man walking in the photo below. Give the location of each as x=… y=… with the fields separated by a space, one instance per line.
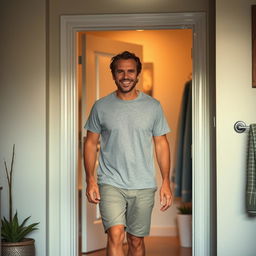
x=128 y=122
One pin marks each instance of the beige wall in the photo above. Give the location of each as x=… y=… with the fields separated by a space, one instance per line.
x=236 y=100
x=23 y=110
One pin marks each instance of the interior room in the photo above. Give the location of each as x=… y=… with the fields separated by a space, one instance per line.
x=37 y=109
x=167 y=71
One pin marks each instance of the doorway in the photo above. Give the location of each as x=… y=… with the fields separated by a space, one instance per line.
x=201 y=126
x=167 y=67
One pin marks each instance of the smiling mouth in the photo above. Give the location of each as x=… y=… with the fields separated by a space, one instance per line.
x=126 y=82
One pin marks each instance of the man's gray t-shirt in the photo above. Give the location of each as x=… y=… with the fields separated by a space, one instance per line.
x=126 y=145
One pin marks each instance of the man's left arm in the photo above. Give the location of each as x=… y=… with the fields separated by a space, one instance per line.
x=163 y=158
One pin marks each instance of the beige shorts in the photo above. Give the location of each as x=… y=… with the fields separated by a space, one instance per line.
x=129 y=207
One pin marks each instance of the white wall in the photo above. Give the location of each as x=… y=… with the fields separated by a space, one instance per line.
x=23 y=110
x=236 y=100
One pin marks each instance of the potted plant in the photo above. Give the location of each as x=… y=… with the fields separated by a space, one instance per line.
x=185 y=225
x=14 y=241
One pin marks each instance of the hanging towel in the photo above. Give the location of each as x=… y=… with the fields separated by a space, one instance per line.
x=251 y=171
x=183 y=167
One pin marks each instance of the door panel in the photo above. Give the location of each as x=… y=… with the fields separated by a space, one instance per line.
x=97 y=82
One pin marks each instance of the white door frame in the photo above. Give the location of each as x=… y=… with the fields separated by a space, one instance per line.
x=67 y=208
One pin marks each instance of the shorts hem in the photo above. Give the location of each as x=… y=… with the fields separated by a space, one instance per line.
x=138 y=235
x=112 y=225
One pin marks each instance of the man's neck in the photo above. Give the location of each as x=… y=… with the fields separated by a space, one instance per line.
x=127 y=96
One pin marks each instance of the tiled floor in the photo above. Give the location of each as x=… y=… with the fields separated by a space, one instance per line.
x=157 y=246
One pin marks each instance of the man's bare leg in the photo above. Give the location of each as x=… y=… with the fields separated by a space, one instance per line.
x=115 y=241
x=136 y=246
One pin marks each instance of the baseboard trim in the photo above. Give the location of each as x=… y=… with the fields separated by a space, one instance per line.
x=163 y=231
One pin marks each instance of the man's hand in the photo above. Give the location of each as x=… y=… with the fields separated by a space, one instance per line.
x=163 y=159
x=165 y=196
x=90 y=155
x=92 y=192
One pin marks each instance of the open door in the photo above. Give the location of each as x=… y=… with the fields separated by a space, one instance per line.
x=96 y=82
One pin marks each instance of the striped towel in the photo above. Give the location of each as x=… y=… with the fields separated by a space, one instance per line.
x=251 y=172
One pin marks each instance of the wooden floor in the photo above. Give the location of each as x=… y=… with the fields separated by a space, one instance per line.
x=157 y=246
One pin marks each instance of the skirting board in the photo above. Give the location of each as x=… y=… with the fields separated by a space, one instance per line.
x=163 y=231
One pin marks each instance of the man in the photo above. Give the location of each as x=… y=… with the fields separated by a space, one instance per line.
x=127 y=121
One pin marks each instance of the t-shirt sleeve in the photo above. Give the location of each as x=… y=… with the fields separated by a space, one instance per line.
x=93 y=122
x=161 y=126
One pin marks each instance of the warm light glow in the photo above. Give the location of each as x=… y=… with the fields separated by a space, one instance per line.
x=139 y=30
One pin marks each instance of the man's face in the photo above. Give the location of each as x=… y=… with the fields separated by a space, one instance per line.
x=126 y=75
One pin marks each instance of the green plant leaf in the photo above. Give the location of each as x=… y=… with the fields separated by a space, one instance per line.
x=6 y=229
x=24 y=221
x=27 y=230
x=12 y=231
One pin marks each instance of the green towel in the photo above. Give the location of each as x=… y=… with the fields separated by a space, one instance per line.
x=251 y=172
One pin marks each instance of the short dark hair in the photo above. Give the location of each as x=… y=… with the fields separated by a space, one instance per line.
x=125 y=56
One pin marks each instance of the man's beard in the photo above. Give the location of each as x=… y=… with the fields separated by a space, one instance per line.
x=126 y=91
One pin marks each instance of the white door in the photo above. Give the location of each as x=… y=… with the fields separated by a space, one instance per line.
x=97 y=82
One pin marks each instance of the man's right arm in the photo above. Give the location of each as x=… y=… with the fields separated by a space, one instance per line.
x=90 y=155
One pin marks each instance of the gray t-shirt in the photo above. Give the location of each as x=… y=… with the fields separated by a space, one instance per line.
x=126 y=144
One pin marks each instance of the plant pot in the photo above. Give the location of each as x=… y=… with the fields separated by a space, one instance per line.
x=24 y=248
x=185 y=229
